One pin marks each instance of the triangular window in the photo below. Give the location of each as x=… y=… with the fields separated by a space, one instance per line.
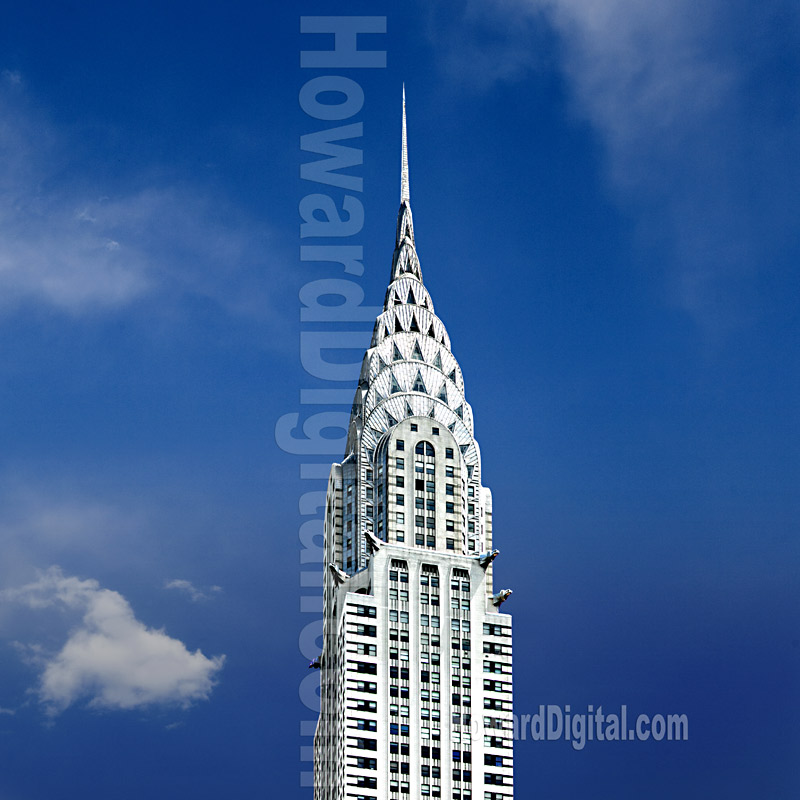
x=385 y=332
x=395 y=300
x=416 y=353
x=443 y=393
x=395 y=386
x=431 y=331
x=463 y=448
x=437 y=360
x=452 y=427
x=409 y=412
x=418 y=386
x=452 y=376
x=432 y=412
x=392 y=421
x=469 y=470
x=411 y=299
x=414 y=327
x=396 y=354
x=460 y=411
x=379 y=398
x=398 y=328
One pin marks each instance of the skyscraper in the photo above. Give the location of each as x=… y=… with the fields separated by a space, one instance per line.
x=416 y=663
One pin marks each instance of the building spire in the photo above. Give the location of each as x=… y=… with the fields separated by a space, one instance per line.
x=405 y=255
x=404 y=193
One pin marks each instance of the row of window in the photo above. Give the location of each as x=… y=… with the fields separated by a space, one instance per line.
x=424 y=448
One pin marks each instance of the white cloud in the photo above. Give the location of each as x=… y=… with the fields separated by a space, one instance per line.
x=80 y=245
x=699 y=130
x=189 y=588
x=111 y=659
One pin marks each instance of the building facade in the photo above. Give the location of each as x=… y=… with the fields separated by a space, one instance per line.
x=415 y=671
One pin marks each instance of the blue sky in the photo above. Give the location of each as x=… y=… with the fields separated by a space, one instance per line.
x=605 y=200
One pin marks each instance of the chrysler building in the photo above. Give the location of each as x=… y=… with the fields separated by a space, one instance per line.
x=415 y=669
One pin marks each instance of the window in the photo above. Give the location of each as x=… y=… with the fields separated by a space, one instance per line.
x=435 y=431
x=450 y=489
x=419 y=521
x=450 y=544
x=430 y=522
x=400 y=463
x=430 y=504
x=400 y=500
x=449 y=525
x=448 y=452
x=448 y=471
x=413 y=426
x=450 y=507
x=400 y=518
x=424 y=448
x=372 y=744
x=399 y=480
x=401 y=445
x=369 y=474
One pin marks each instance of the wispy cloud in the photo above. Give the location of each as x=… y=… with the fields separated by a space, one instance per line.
x=699 y=123
x=48 y=520
x=190 y=589
x=83 y=246
x=110 y=659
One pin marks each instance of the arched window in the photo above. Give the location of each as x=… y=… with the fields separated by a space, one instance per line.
x=424 y=448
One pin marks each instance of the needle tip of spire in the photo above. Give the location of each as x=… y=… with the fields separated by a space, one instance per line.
x=404 y=191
